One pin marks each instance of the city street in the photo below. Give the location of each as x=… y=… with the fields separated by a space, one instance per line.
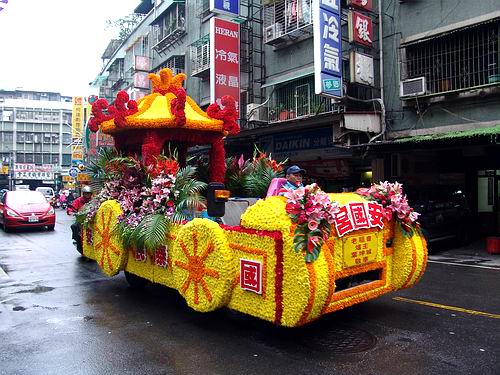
x=60 y=315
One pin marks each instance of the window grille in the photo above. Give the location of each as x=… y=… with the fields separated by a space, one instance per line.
x=287 y=17
x=200 y=55
x=175 y=63
x=461 y=60
x=296 y=99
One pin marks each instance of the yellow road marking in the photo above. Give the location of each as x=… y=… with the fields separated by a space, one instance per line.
x=445 y=307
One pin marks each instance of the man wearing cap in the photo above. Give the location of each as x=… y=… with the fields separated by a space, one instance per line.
x=293 y=179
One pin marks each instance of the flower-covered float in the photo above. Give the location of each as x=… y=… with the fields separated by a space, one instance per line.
x=290 y=260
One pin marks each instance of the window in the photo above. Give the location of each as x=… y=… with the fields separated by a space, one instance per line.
x=66 y=139
x=46 y=138
x=66 y=160
x=55 y=138
x=55 y=159
x=175 y=63
x=296 y=99
x=46 y=158
x=200 y=55
x=8 y=137
x=38 y=159
x=170 y=27
x=29 y=137
x=460 y=60
x=20 y=137
x=20 y=157
x=29 y=158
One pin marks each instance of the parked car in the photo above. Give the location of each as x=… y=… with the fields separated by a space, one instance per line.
x=23 y=209
x=445 y=213
x=48 y=193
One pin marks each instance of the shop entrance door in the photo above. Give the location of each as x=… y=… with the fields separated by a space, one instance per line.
x=488 y=201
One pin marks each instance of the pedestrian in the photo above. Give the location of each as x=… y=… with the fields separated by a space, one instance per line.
x=294 y=176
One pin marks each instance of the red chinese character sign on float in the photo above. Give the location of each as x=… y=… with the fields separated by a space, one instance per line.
x=358 y=215
x=251 y=275
x=360 y=29
x=224 y=60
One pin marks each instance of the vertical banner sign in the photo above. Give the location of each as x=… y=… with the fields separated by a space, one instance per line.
x=77 y=117
x=327 y=48
x=229 y=7
x=224 y=60
x=360 y=29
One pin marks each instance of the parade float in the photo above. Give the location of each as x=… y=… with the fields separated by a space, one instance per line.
x=290 y=260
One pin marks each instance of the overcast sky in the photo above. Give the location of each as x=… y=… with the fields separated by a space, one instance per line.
x=56 y=45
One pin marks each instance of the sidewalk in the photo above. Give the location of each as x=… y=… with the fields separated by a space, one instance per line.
x=474 y=253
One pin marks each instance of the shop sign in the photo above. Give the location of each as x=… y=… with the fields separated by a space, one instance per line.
x=142 y=63
x=5 y=169
x=224 y=60
x=77 y=117
x=76 y=153
x=229 y=7
x=35 y=175
x=83 y=177
x=327 y=48
x=67 y=178
x=360 y=29
x=358 y=215
x=141 y=80
x=362 y=4
x=361 y=67
x=251 y=275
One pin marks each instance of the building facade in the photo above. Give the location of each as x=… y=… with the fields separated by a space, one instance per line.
x=420 y=104
x=35 y=138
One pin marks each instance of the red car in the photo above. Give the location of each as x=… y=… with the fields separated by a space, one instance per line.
x=26 y=209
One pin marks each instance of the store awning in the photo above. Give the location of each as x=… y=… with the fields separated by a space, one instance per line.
x=472 y=133
x=290 y=76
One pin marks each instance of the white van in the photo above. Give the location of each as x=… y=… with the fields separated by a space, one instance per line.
x=48 y=193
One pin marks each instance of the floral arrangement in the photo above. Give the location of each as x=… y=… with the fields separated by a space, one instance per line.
x=251 y=177
x=312 y=211
x=150 y=197
x=391 y=197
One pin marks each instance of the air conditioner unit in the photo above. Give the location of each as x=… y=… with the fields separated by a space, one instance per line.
x=256 y=112
x=272 y=32
x=412 y=87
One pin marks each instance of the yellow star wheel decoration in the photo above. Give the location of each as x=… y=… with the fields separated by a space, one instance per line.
x=108 y=249
x=203 y=265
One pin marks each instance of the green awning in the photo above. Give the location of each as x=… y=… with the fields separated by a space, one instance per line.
x=290 y=76
x=472 y=133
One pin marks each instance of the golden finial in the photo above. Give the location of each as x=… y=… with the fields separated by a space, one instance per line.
x=166 y=81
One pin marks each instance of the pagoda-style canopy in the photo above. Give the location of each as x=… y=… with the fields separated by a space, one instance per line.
x=166 y=115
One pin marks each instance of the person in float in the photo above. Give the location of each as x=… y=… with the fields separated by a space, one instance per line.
x=294 y=176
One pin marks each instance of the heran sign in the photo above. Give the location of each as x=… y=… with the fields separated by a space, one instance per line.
x=224 y=60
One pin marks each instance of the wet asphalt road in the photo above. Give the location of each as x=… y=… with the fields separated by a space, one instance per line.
x=59 y=315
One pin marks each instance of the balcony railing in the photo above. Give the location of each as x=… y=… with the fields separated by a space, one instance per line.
x=297 y=100
x=287 y=18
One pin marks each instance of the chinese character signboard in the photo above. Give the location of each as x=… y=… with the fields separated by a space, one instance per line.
x=229 y=7
x=33 y=172
x=360 y=29
x=359 y=249
x=141 y=80
x=142 y=63
x=362 y=4
x=77 y=117
x=358 y=215
x=224 y=60
x=251 y=275
x=361 y=69
x=327 y=48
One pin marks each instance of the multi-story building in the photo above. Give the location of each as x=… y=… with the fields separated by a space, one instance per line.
x=35 y=137
x=424 y=111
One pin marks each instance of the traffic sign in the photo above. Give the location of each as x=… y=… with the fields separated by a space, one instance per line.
x=73 y=172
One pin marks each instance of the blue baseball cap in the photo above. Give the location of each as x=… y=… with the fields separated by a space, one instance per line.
x=295 y=169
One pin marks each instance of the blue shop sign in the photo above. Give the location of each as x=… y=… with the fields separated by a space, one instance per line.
x=229 y=7
x=305 y=140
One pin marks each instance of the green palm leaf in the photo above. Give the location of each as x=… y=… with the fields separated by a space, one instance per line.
x=151 y=233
